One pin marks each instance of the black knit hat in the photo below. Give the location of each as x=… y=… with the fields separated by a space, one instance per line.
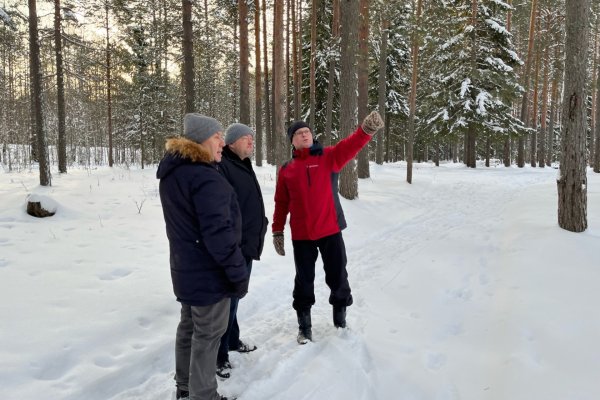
x=295 y=126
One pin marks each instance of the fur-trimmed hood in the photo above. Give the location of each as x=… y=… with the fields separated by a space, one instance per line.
x=181 y=151
x=189 y=149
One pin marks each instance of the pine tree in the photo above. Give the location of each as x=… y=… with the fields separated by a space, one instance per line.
x=474 y=82
x=327 y=49
x=397 y=77
x=572 y=180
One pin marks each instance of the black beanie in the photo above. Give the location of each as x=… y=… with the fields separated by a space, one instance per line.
x=295 y=126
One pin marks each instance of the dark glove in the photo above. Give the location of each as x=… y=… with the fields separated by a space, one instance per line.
x=372 y=123
x=278 y=243
x=240 y=288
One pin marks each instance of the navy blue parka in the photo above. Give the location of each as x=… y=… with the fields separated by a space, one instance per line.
x=254 y=222
x=203 y=224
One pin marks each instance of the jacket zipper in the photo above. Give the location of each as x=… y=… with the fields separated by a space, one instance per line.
x=308 y=174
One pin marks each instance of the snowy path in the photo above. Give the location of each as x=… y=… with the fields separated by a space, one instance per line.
x=464 y=289
x=427 y=321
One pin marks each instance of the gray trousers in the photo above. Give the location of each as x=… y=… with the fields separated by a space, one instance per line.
x=197 y=342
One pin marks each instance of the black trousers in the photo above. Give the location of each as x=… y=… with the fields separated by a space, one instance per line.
x=333 y=254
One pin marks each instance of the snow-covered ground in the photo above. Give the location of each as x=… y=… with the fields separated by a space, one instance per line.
x=464 y=286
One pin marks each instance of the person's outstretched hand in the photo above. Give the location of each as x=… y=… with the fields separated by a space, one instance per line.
x=372 y=123
x=278 y=243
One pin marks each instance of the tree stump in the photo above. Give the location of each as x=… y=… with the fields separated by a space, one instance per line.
x=35 y=209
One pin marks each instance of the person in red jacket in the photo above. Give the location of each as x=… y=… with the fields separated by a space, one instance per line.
x=305 y=191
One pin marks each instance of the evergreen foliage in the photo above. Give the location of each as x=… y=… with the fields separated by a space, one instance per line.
x=469 y=75
x=473 y=79
x=327 y=49
x=397 y=70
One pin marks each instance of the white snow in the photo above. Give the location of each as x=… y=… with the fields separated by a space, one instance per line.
x=496 y=26
x=480 y=100
x=464 y=287
x=498 y=63
x=46 y=202
x=464 y=86
x=453 y=40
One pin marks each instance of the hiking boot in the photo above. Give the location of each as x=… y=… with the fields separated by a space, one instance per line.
x=182 y=394
x=304 y=327
x=244 y=348
x=223 y=369
x=339 y=317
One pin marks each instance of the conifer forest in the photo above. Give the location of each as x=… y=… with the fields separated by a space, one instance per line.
x=499 y=82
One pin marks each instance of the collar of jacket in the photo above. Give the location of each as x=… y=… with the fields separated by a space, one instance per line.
x=233 y=157
x=186 y=148
x=315 y=150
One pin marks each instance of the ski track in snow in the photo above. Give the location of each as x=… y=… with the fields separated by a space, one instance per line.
x=432 y=231
x=409 y=233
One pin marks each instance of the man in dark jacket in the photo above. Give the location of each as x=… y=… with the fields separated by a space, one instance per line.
x=203 y=224
x=237 y=168
x=305 y=191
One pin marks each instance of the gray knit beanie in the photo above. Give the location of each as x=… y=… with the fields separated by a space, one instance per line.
x=198 y=127
x=236 y=131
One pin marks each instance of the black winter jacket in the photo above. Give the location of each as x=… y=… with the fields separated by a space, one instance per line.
x=241 y=176
x=203 y=223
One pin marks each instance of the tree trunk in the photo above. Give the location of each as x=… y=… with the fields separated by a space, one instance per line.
x=60 y=90
x=507 y=147
x=413 y=95
x=279 y=90
x=382 y=82
x=597 y=127
x=210 y=73
x=534 y=117
x=108 y=88
x=257 y=87
x=594 y=97
x=388 y=133
x=553 y=101
x=506 y=152
x=313 y=58
x=348 y=87
x=544 y=113
x=597 y=147
x=363 y=82
x=572 y=181
x=268 y=118
x=188 y=56
x=10 y=109
x=244 y=63
x=331 y=83
x=470 y=140
x=526 y=79
x=297 y=76
x=234 y=82
x=36 y=94
x=288 y=66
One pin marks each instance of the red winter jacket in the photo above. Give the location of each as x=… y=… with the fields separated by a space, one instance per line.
x=304 y=188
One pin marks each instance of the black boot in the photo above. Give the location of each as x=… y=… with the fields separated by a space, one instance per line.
x=223 y=369
x=339 y=317
x=304 y=327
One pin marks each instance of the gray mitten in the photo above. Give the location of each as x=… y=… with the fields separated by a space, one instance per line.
x=372 y=123
x=278 y=243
